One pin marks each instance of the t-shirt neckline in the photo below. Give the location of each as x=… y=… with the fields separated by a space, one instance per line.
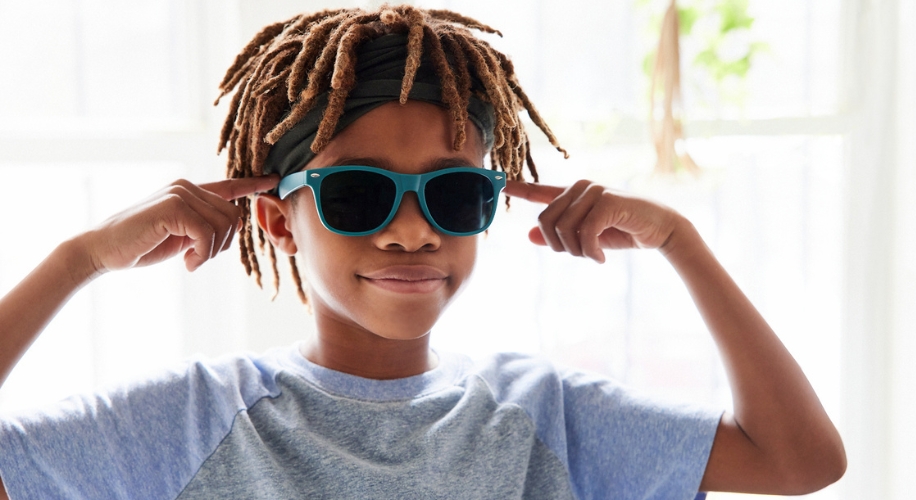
x=444 y=375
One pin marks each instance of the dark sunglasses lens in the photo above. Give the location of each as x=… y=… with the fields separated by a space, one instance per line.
x=355 y=201
x=460 y=202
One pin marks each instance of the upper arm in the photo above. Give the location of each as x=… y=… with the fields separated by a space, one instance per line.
x=737 y=464
x=3 y=495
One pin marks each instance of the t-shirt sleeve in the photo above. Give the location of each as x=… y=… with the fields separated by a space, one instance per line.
x=620 y=445
x=142 y=441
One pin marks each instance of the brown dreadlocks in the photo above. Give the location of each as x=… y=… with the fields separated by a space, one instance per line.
x=282 y=72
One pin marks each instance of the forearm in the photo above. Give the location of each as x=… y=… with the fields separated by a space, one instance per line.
x=28 y=308
x=774 y=404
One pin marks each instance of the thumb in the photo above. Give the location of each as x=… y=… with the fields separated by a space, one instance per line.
x=537 y=237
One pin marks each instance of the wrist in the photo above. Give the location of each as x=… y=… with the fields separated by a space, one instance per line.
x=76 y=260
x=684 y=243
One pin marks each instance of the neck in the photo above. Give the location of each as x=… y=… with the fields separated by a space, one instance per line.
x=364 y=354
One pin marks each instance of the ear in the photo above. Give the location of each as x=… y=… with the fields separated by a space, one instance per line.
x=272 y=214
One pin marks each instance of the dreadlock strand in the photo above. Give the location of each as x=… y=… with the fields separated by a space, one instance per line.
x=530 y=161
x=462 y=84
x=495 y=94
x=316 y=39
x=252 y=134
x=272 y=104
x=247 y=111
x=257 y=148
x=538 y=120
x=325 y=64
x=342 y=82
x=317 y=80
x=247 y=55
x=509 y=69
x=454 y=17
x=242 y=72
x=302 y=23
x=240 y=124
x=273 y=82
x=252 y=255
x=243 y=154
x=279 y=60
x=297 y=278
x=247 y=69
x=345 y=59
x=240 y=69
x=262 y=241
x=276 y=272
x=514 y=155
x=232 y=169
x=414 y=50
x=244 y=241
x=229 y=124
x=448 y=84
x=499 y=77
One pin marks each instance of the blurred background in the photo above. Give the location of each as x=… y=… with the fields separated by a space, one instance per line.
x=801 y=114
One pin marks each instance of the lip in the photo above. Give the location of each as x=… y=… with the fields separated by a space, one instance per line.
x=407 y=279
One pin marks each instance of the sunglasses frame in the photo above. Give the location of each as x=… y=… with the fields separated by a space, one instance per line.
x=403 y=183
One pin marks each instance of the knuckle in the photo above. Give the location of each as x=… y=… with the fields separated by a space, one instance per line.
x=178 y=190
x=596 y=190
x=566 y=229
x=549 y=214
x=608 y=197
x=182 y=183
x=174 y=201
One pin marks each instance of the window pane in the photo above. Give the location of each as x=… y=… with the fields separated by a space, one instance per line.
x=590 y=67
x=94 y=60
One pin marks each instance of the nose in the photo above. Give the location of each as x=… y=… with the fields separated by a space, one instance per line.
x=409 y=230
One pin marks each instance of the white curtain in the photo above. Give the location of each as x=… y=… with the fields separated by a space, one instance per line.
x=880 y=296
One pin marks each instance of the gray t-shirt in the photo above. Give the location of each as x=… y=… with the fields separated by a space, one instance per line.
x=275 y=426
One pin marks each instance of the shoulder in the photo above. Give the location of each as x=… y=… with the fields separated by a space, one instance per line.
x=515 y=376
x=560 y=396
x=148 y=435
x=194 y=388
x=232 y=382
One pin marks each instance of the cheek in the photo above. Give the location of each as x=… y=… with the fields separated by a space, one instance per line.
x=463 y=260
x=322 y=254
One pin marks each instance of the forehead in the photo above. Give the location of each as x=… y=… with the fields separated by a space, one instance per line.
x=412 y=138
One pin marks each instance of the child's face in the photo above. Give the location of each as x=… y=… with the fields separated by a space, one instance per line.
x=394 y=283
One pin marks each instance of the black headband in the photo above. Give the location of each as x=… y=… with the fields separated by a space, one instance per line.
x=379 y=73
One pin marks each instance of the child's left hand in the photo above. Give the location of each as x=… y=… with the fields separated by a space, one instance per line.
x=586 y=217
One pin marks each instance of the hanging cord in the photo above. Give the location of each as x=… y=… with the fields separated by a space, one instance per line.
x=667 y=130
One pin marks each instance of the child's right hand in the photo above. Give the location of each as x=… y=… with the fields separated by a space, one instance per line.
x=199 y=220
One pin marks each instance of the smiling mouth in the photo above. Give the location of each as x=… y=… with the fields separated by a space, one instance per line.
x=407 y=279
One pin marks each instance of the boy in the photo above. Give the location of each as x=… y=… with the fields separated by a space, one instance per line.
x=378 y=124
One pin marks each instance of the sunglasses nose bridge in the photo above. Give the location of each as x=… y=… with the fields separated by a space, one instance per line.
x=410 y=183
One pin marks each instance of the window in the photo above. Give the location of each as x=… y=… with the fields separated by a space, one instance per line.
x=112 y=101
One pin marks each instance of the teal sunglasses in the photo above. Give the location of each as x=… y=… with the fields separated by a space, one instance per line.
x=357 y=200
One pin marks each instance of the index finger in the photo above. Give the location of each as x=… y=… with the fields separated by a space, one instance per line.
x=230 y=189
x=540 y=193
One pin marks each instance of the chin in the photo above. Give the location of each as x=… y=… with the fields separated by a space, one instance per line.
x=405 y=330
x=403 y=319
